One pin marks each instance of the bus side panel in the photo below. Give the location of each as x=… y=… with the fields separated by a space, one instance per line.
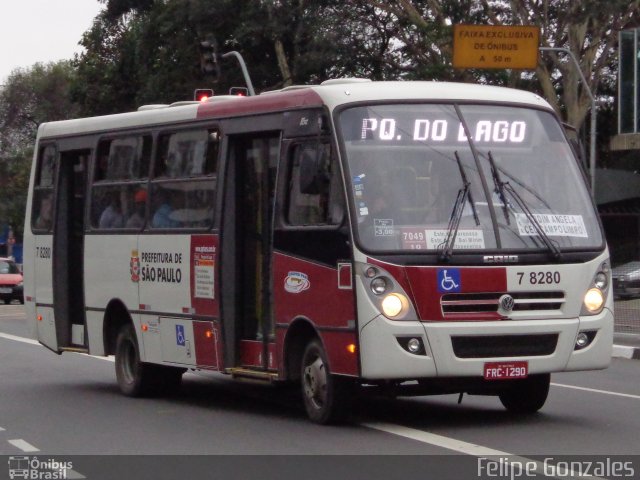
x=108 y=271
x=43 y=291
x=304 y=289
x=38 y=274
x=28 y=263
x=108 y=278
x=177 y=282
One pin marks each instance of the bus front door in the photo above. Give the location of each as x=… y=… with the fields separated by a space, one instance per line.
x=247 y=227
x=68 y=250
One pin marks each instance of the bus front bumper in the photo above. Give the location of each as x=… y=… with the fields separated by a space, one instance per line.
x=461 y=349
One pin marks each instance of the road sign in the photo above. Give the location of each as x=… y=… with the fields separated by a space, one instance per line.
x=495 y=46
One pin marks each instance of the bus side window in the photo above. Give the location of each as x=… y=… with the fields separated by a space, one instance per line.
x=315 y=197
x=187 y=154
x=119 y=191
x=184 y=182
x=42 y=211
x=123 y=158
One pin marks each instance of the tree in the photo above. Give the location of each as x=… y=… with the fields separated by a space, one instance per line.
x=141 y=52
x=588 y=28
x=106 y=73
x=28 y=98
x=14 y=183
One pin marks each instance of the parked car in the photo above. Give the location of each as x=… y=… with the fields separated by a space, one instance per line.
x=11 y=287
x=626 y=279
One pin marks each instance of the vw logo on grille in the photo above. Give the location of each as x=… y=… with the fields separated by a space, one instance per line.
x=507 y=303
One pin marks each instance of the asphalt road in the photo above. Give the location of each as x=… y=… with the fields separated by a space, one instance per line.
x=70 y=405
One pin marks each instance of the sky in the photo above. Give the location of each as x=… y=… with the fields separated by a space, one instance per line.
x=42 y=31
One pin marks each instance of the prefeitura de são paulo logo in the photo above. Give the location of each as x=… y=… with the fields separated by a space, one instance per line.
x=134 y=266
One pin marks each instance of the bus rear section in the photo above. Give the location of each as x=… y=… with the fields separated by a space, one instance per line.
x=393 y=237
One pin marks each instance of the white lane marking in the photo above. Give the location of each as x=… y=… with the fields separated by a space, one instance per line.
x=623 y=351
x=513 y=462
x=1 y=429
x=15 y=338
x=437 y=440
x=24 y=446
x=593 y=390
x=110 y=358
x=35 y=342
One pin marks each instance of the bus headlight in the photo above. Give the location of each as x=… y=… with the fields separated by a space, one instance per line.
x=378 y=285
x=595 y=297
x=385 y=292
x=594 y=300
x=601 y=280
x=394 y=305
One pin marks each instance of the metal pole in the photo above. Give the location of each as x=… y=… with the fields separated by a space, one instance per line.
x=243 y=66
x=592 y=142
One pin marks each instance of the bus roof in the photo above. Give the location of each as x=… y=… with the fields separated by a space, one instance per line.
x=335 y=92
x=332 y=93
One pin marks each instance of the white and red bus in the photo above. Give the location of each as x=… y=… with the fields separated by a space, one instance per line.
x=416 y=237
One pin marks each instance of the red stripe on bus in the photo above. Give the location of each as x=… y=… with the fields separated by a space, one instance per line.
x=205 y=341
x=272 y=102
x=426 y=295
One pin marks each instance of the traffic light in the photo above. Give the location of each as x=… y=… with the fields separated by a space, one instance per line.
x=202 y=94
x=209 y=58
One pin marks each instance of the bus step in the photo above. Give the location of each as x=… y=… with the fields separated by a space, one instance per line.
x=258 y=375
x=74 y=349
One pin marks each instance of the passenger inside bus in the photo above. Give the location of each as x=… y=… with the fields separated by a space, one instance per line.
x=111 y=216
x=166 y=204
x=136 y=220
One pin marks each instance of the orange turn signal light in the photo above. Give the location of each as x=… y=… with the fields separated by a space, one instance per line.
x=351 y=348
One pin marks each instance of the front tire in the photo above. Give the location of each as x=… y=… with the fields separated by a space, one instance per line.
x=526 y=396
x=326 y=397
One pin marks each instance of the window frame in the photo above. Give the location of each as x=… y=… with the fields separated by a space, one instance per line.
x=335 y=181
x=39 y=189
x=134 y=184
x=155 y=181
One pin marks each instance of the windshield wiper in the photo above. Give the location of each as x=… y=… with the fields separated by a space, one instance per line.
x=497 y=181
x=501 y=188
x=464 y=194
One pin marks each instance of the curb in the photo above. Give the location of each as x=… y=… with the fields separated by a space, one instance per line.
x=623 y=351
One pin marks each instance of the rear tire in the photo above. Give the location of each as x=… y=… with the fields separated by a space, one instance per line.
x=136 y=378
x=326 y=397
x=526 y=396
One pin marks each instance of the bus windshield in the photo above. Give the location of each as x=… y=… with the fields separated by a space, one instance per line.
x=464 y=177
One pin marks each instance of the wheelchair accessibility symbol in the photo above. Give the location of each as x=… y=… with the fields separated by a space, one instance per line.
x=180 y=340
x=449 y=280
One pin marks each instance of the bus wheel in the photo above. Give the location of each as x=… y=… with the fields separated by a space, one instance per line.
x=527 y=395
x=326 y=397
x=135 y=378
